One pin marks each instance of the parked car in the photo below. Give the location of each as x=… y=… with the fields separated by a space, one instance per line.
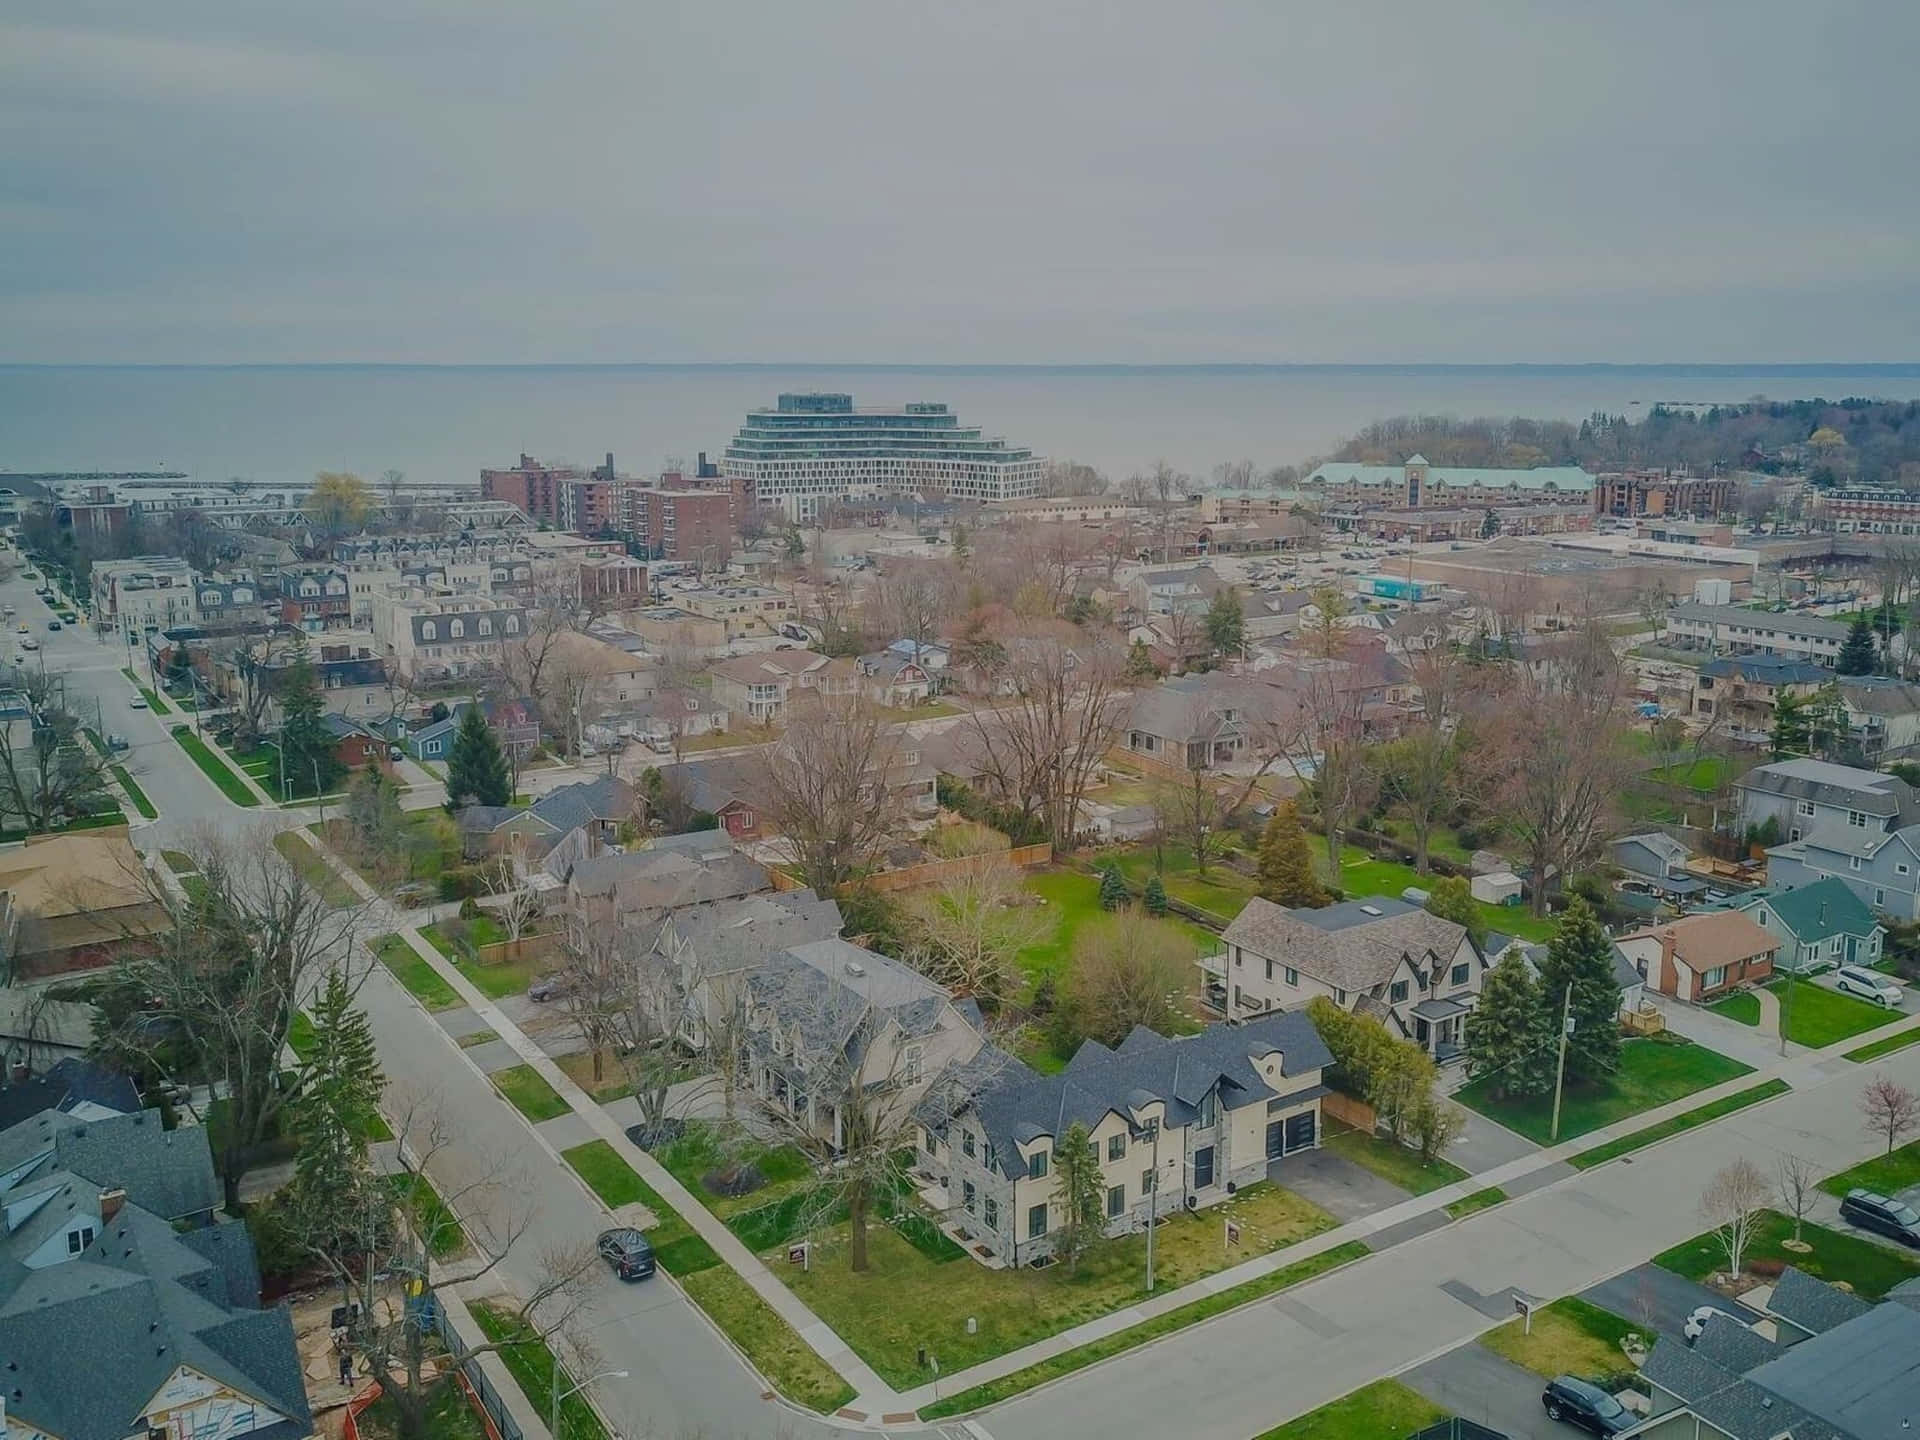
x=1883 y=1215
x=1574 y=1401
x=1868 y=985
x=1697 y=1322
x=53 y=624
x=138 y=702
x=628 y=1252
x=118 y=742
x=29 y=644
x=548 y=987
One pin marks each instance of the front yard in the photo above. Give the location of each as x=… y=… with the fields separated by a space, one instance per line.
x=1569 y=1337
x=1384 y=1410
x=908 y=1301
x=1653 y=1071
x=1870 y=1269
x=460 y=940
x=1817 y=1017
x=1885 y=1174
x=424 y=845
x=1392 y=1162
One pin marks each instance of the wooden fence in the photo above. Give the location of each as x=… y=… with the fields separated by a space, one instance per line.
x=1349 y=1111
x=528 y=947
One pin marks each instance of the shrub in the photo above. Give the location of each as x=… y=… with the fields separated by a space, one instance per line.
x=733 y=1181
x=1155 y=896
x=469 y=909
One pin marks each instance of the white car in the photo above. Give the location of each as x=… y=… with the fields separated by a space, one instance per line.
x=138 y=702
x=1868 y=985
x=1697 y=1321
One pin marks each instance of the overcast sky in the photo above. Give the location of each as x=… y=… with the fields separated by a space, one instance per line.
x=1033 y=182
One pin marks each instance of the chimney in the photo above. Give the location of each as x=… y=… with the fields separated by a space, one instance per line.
x=110 y=1203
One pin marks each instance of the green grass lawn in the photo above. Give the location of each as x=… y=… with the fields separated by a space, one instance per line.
x=1361 y=875
x=1817 y=1016
x=577 y=1066
x=765 y=1218
x=424 y=845
x=1886 y=1045
x=908 y=1300
x=1121 y=1341
x=1569 y=1337
x=1888 y=1174
x=415 y=974
x=1743 y=1008
x=433 y=1220
x=310 y=867
x=214 y=768
x=1478 y=1200
x=533 y=1367
x=1384 y=1410
x=1704 y=775
x=529 y=1093
x=1870 y=1269
x=1679 y=1124
x=1222 y=892
x=1393 y=1163
x=154 y=702
x=1072 y=899
x=677 y=1245
x=775 y=1347
x=459 y=939
x=179 y=862
x=1653 y=1071
x=135 y=793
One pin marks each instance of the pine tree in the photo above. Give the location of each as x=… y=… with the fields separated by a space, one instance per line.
x=1489 y=526
x=1791 y=731
x=1226 y=623
x=1857 y=654
x=1114 y=893
x=1581 y=954
x=1510 y=1032
x=476 y=770
x=333 y=1193
x=1451 y=898
x=1081 y=1192
x=307 y=744
x=1140 y=664
x=1155 y=896
x=1285 y=864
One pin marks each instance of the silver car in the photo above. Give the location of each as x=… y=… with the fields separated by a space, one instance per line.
x=1868 y=985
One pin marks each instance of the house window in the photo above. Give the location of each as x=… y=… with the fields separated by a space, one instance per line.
x=1036 y=1221
x=1902 y=868
x=1339 y=997
x=486 y=625
x=1805 y=808
x=1853 y=862
x=1857 y=819
x=1146 y=1181
x=1116 y=1201
x=1209 y=1115
x=990 y=1212
x=1833 y=947
x=513 y=624
x=1269 y=972
x=1203 y=1167
x=1398 y=992
x=429 y=631
x=911 y=1060
x=928 y=1143
x=1879 y=896
x=1714 y=978
x=1037 y=1166
x=1459 y=975
x=967 y=1196
x=1116 y=1147
x=78 y=1240
x=1292 y=976
x=966 y=1143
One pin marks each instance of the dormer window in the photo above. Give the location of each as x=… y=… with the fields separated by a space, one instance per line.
x=456 y=629
x=513 y=624
x=429 y=630
x=486 y=625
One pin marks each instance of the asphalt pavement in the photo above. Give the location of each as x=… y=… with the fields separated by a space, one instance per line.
x=1472 y=1381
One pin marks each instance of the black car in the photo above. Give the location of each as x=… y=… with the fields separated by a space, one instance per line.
x=1895 y=1220
x=53 y=624
x=628 y=1252
x=550 y=987
x=1576 y=1402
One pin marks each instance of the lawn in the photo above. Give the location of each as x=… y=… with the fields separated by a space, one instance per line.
x=1870 y=1269
x=154 y=702
x=319 y=876
x=481 y=1037
x=1704 y=775
x=775 y=1347
x=907 y=1301
x=1221 y=892
x=577 y=1066
x=1886 y=1174
x=1073 y=899
x=425 y=845
x=532 y=1365
x=1478 y=1200
x=1361 y=875
x=135 y=793
x=1384 y=1410
x=1679 y=1124
x=679 y=1248
x=415 y=974
x=529 y=1093
x=1653 y=1071
x=1569 y=1337
x=1818 y=1017
x=215 y=769
x=1886 y=1045
x=764 y=1218
x=1118 y=1343
x=179 y=862
x=460 y=940
x=1392 y=1162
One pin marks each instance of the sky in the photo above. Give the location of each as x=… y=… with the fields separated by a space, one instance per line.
x=890 y=181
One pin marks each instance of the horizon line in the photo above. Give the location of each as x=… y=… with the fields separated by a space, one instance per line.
x=1781 y=367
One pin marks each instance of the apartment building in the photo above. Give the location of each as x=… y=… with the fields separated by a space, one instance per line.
x=147 y=592
x=1865 y=511
x=743 y=609
x=442 y=636
x=1419 y=483
x=684 y=525
x=532 y=485
x=1630 y=494
x=1735 y=630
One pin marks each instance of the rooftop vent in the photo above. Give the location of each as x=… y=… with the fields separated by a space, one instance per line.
x=854 y=967
x=1371 y=910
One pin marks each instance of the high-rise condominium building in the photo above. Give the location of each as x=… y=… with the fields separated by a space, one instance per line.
x=813 y=449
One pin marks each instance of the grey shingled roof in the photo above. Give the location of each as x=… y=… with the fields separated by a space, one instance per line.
x=1732 y=1346
x=169 y=1172
x=1829 y=784
x=838 y=996
x=1189 y=708
x=1018 y=1105
x=1806 y=627
x=1813 y=1305
x=571 y=806
x=729 y=935
x=1862 y=1377
x=1344 y=945
x=668 y=879
x=71 y=1082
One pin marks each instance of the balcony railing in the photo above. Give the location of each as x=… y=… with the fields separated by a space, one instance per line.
x=1214 y=964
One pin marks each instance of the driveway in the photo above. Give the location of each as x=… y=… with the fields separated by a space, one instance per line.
x=1484 y=1145
x=1476 y=1384
x=1343 y=1189
x=1647 y=1294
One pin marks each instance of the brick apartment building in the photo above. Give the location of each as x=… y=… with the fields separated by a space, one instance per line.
x=685 y=524
x=533 y=485
x=1629 y=494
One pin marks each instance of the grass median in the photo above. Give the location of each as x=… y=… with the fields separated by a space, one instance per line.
x=1384 y=1410
x=215 y=769
x=1478 y=1200
x=1886 y=1045
x=533 y=1367
x=154 y=702
x=1885 y=1174
x=312 y=867
x=1677 y=1125
x=529 y=1093
x=416 y=976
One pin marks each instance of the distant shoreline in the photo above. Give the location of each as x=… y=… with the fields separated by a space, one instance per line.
x=1783 y=369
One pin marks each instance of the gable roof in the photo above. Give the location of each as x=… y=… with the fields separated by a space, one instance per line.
x=1826 y=908
x=1862 y=1377
x=1768 y=669
x=73 y=1081
x=571 y=806
x=1880 y=695
x=169 y=1172
x=1762 y=622
x=1355 y=945
x=1828 y=784
x=1711 y=939
x=1660 y=844
x=1189 y=708
x=1812 y=1305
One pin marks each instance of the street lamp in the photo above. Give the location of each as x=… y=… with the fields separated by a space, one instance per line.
x=553 y=1418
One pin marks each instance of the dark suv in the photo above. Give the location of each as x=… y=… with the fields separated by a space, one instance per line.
x=628 y=1252
x=1887 y=1217
x=1578 y=1403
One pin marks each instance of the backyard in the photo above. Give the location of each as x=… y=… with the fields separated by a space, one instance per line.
x=1362 y=875
x=1816 y=1017
x=461 y=940
x=1222 y=892
x=1653 y=1071
x=1870 y=1269
x=908 y=1300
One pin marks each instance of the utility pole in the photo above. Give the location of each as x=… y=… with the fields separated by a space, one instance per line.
x=1560 y=1072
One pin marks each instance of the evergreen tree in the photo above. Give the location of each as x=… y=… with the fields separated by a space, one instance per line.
x=1285 y=863
x=1510 y=1031
x=307 y=744
x=1081 y=1192
x=1857 y=655
x=1791 y=730
x=476 y=770
x=1489 y=526
x=1113 y=888
x=1140 y=664
x=1581 y=955
x=1226 y=623
x=335 y=1191
x=1451 y=898
x=1155 y=896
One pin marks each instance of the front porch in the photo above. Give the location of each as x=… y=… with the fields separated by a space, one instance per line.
x=1439 y=1027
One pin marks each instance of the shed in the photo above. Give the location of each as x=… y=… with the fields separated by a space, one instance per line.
x=1501 y=887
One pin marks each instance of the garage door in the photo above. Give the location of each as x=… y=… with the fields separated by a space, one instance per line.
x=1300 y=1130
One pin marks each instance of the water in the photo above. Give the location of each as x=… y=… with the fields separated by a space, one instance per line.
x=281 y=424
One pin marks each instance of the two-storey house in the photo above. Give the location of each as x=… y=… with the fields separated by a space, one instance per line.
x=1809 y=797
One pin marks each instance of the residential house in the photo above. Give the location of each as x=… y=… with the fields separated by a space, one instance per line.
x=725 y=788
x=430 y=636
x=636 y=888
x=1184 y=589
x=1415 y=973
x=599 y=675
x=1175 y=643
x=1882 y=867
x=74 y=1088
x=1699 y=958
x=1809 y=797
x=72 y=902
x=355 y=746
x=1840 y=1369
x=670 y=716
x=1633 y=985
x=512 y=722
x=894 y=680
x=143 y=593
x=758 y=686
x=1735 y=630
x=714 y=946
x=124 y=1308
x=831 y=1025
x=1176 y=1123
x=1656 y=863
x=932 y=656
x=1743 y=690
x=1819 y=925
x=1883 y=717
x=1193 y=723
x=599 y=808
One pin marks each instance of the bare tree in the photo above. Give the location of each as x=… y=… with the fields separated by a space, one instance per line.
x=1732 y=1203
x=1889 y=1109
x=1125 y=972
x=1798 y=1185
x=517 y=905
x=825 y=787
x=1421 y=770
x=1194 y=808
x=1320 y=720
x=968 y=930
x=53 y=777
